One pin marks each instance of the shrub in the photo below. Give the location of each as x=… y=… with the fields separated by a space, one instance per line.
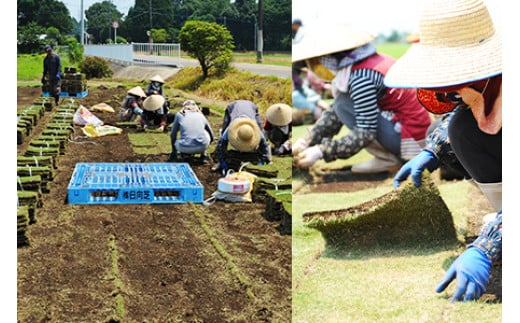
x=95 y=67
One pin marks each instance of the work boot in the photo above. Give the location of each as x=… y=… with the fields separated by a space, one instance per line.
x=383 y=161
x=204 y=158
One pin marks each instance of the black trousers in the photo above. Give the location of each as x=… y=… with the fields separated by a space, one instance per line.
x=479 y=153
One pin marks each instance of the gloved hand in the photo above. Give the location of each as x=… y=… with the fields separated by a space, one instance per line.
x=414 y=167
x=58 y=75
x=161 y=128
x=223 y=166
x=260 y=163
x=309 y=156
x=299 y=146
x=138 y=111
x=471 y=269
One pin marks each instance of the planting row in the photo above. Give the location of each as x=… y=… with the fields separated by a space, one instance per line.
x=37 y=165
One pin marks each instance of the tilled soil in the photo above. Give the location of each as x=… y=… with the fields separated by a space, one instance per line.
x=147 y=262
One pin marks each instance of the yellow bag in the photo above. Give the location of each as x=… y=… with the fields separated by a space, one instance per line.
x=91 y=130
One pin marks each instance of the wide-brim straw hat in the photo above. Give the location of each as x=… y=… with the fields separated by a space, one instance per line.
x=157 y=78
x=458 y=43
x=153 y=102
x=137 y=91
x=244 y=134
x=325 y=38
x=279 y=114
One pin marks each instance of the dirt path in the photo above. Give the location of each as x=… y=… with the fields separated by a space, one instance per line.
x=147 y=263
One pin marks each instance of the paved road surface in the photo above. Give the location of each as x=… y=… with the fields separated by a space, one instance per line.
x=260 y=68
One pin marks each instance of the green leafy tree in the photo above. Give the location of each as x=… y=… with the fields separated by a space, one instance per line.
x=160 y=35
x=29 y=40
x=45 y=13
x=75 y=50
x=53 y=36
x=145 y=16
x=208 y=42
x=100 y=17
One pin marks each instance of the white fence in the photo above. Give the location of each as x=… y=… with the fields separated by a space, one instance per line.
x=138 y=53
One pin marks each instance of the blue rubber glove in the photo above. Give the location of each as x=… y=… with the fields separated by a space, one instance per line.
x=471 y=269
x=223 y=166
x=414 y=167
x=58 y=75
x=261 y=163
x=138 y=111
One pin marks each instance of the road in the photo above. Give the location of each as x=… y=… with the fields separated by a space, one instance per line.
x=260 y=68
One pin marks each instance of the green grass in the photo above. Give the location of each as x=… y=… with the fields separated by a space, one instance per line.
x=383 y=285
x=30 y=67
x=395 y=50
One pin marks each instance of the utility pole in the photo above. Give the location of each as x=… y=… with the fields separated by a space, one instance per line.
x=150 y=34
x=82 y=38
x=260 y=39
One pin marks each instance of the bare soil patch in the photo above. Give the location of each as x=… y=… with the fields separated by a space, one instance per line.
x=147 y=262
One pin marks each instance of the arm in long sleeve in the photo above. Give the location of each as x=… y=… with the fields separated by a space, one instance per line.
x=264 y=150
x=221 y=148
x=489 y=240
x=439 y=144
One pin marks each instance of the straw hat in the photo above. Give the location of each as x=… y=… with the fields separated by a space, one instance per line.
x=327 y=39
x=458 y=44
x=157 y=78
x=153 y=102
x=137 y=91
x=279 y=114
x=244 y=134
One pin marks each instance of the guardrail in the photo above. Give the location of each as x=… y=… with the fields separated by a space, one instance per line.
x=138 y=53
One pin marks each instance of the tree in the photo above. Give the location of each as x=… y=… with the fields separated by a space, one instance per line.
x=208 y=42
x=160 y=35
x=75 y=50
x=100 y=17
x=53 y=36
x=45 y=13
x=29 y=40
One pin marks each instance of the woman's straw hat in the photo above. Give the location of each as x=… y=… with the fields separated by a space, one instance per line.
x=279 y=114
x=244 y=134
x=157 y=78
x=153 y=102
x=137 y=91
x=327 y=39
x=457 y=44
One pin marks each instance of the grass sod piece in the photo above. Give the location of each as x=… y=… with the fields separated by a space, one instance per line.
x=278 y=207
x=30 y=200
x=21 y=134
x=405 y=217
x=31 y=183
x=22 y=214
x=35 y=161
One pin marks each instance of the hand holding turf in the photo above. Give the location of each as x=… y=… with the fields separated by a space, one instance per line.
x=414 y=168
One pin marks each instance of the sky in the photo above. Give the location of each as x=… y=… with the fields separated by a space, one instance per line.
x=74 y=6
x=375 y=16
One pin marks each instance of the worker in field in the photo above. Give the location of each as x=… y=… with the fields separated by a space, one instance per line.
x=242 y=130
x=390 y=124
x=456 y=68
x=278 y=128
x=195 y=134
x=155 y=113
x=52 y=72
x=156 y=87
x=131 y=107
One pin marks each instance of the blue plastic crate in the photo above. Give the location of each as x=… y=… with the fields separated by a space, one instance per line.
x=134 y=183
x=69 y=95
